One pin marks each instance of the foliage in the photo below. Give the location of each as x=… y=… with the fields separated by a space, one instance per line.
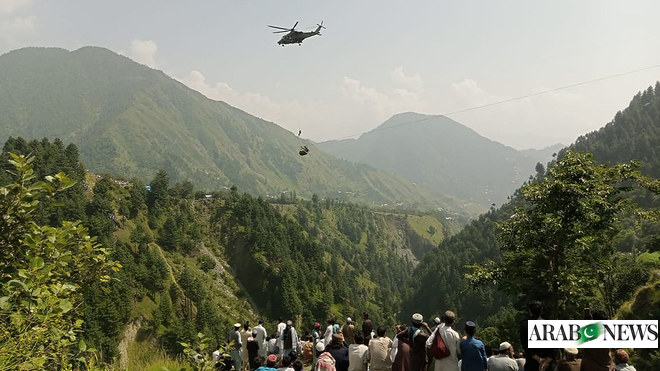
x=43 y=270
x=199 y=354
x=558 y=246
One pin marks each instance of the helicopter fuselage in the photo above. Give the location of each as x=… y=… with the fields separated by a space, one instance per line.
x=296 y=37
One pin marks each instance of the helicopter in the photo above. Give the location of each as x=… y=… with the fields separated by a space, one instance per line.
x=296 y=37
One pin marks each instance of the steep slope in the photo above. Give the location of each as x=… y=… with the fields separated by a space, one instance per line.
x=131 y=120
x=633 y=134
x=439 y=153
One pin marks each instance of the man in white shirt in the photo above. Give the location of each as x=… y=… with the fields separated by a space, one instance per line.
x=327 y=336
x=358 y=354
x=503 y=361
x=262 y=337
x=452 y=341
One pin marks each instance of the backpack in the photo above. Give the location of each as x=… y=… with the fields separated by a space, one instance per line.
x=325 y=362
x=439 y=349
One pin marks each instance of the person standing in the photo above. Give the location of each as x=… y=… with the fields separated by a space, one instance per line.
x=401 y=352
x=570 y=361
x=379 y=351
x=473 y=350
x=418 y=333
x=536 y=359
x=245 y=332
x=262 y=338
x=358 y=354
x=367 y=327
x=452 y=341
x=288 y=339
x=348 y=330
x=236 y=348
x=252 y=347
x=504 y=360
x=327 y=336
x=339 y=352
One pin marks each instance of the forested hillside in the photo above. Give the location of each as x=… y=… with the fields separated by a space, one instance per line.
x=196 y=262
x=128 y=119
x=632 y=135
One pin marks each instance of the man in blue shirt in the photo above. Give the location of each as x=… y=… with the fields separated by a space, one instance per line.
x=473 y=350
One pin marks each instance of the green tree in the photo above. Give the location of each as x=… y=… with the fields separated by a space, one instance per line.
x=558 y=246
x=43 y=270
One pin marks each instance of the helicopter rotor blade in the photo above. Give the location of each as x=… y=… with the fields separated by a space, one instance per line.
x=283 y=31
x=294 y=26
x=280 y=28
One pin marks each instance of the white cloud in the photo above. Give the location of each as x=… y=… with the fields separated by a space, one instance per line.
x=412 y=82
x=144 y=51
x=14 y=25
x=9 y=7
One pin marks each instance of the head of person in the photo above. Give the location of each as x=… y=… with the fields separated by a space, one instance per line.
x=317 y=326
x=365 y=315
x=337 y=340
x=286 y=361
x=380 y=331
x=297 y=365
x=271 y=361
x=506 y=348
x=237 y=326
x=330 y=321
x=417 y=319
x=535 y=308
x=349 y=320
x=570 y=353
x=280 y=319
x=470 y=328
x=359 y=337
x=261 y=321
x=320 y=347
x=621 y=356
x=246 y=325
x=259 y=361
x=289 y=323
x=449 y=318
x=254 y=333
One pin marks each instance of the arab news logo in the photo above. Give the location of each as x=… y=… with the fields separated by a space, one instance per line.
x=590 y=332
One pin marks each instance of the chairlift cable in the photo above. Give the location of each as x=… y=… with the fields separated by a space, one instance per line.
x=506 y=100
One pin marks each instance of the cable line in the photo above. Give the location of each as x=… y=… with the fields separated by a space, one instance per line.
x=508 y=100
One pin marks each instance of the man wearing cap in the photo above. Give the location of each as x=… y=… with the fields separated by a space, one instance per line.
x=473 y=350
x=570 y=362
x=418 y=333
x=452 y=341
x=261 y=337
x=237 y=346
x=348 y=330
x=504 y=360
x=271 y=361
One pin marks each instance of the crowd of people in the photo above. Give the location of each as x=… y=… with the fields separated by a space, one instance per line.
x=416 y=346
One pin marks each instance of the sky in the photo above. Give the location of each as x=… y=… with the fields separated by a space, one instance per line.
x=378 y=58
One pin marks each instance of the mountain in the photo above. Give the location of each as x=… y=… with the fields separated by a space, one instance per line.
x=439 y=153
x=633 y=135
x=131 y=120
